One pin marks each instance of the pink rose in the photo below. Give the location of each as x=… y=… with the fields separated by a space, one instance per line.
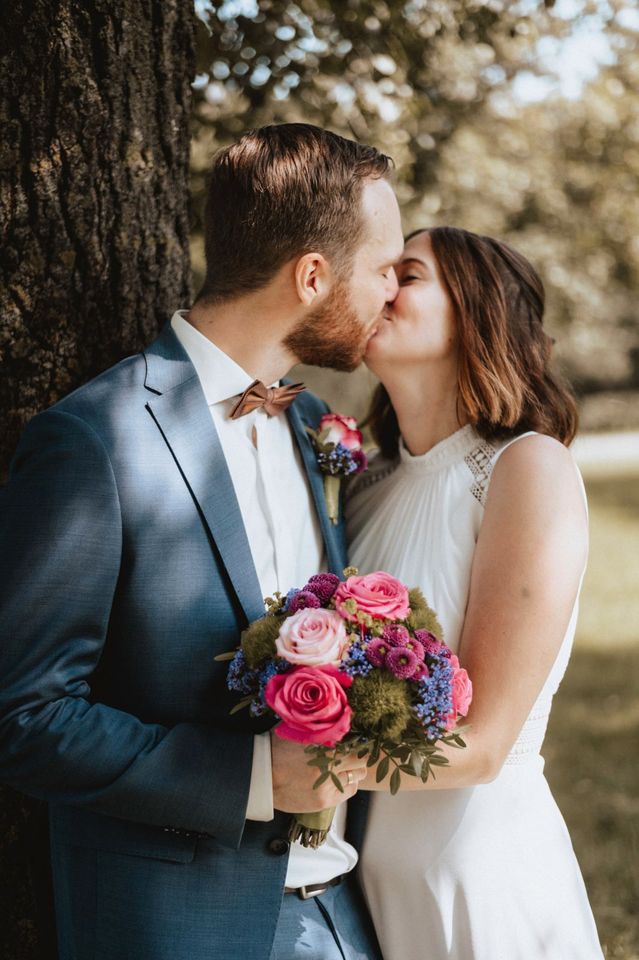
x=341 y=430
x=311 y=703
x=377 y=594
x=312 y=637
x=462 y=692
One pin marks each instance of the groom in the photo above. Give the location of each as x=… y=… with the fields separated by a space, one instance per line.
x=145 y=518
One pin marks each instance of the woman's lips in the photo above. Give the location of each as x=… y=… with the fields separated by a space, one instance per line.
x=378 y=326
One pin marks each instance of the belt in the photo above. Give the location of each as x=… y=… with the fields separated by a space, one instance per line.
x=314 y=889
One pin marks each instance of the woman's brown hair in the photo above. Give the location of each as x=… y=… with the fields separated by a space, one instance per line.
x=505 y=382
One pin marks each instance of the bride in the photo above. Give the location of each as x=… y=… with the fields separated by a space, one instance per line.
x=476 y=499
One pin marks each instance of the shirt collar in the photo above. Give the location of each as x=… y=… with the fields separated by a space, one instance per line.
x=220 y=376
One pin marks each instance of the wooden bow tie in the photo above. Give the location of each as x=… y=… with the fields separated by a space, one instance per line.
x=273 y=399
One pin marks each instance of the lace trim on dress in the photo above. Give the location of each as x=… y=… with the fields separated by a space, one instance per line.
x=479 y=462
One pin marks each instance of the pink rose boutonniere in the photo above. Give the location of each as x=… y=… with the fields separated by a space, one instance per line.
x=338 y=447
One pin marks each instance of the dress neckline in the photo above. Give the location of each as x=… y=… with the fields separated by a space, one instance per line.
x=450 y=450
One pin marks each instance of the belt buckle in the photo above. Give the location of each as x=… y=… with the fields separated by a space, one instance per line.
x=305 y=894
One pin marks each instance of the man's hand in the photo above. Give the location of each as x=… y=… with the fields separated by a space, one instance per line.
x=293 y=779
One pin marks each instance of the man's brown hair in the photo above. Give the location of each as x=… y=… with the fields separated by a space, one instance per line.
x=277 y=193
x=506 y=384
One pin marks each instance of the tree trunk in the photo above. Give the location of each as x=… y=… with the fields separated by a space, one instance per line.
x=94 y=153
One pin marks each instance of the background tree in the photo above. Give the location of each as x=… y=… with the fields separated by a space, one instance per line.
x=437 y=85
x=95 y=103
x=560 y=179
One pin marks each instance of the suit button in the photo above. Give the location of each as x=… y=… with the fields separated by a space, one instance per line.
x=279 y=846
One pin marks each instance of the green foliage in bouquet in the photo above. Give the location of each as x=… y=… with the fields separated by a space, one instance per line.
x=258 y=640
x=381 y=704
x=422 y=617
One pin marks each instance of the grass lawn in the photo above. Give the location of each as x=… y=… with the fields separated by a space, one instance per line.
x=592 y=747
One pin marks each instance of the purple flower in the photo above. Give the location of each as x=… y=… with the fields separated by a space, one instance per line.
x=434 y=697
x=360 y=459
x=339 y=461
x=416 y=647
x=396 y=635
x=290 y=596
x=421 y=673
x=402 y=662
x=430 y=643
x=302 y=600
x=240 y=679
x=377 y=651
x=323 y=585
x=356 y=663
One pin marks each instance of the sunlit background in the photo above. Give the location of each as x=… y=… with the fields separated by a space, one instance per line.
x=518 y=119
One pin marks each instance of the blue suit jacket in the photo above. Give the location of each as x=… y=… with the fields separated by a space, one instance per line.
x=124 y=570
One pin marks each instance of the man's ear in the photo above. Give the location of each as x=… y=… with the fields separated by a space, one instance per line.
x=313 y=278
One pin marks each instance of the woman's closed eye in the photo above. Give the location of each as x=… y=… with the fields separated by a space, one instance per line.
x=408 y=277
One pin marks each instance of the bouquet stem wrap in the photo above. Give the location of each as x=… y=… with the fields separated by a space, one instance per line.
x=311 y=829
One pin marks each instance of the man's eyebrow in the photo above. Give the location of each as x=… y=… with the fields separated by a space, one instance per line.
x=392 y=262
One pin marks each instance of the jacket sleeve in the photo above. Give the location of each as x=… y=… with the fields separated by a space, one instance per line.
x=60 y=549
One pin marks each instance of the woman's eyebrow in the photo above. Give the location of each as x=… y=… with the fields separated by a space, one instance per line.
x=413 y=260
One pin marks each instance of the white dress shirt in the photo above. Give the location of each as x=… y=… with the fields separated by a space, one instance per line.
x=286 y=544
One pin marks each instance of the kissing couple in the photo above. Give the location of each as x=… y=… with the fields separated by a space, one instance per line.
x=149 y=514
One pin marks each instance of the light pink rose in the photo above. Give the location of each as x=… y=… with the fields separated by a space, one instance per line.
x=341 y=430
x=312 y=637
x=462 y=692
x=311 y=703
x=378 y=594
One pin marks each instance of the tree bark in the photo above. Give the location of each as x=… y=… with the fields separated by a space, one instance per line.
x=95 y=104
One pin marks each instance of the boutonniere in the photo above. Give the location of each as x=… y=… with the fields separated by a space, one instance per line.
x=338 y=448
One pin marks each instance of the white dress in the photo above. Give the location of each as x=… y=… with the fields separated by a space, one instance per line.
x=476 y=873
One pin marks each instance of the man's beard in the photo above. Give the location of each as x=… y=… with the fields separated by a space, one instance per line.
x=331 y=335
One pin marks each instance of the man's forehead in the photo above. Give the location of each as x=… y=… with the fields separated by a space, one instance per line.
x=381 y=211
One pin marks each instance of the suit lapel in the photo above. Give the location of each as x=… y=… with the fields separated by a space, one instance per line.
x=179 y=409
x=332 y=535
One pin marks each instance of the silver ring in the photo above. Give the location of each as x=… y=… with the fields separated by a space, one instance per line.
x=350 y=779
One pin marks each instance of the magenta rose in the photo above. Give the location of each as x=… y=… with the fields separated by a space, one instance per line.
x=378 y=594
x=341 y=430
x=462 y=692
x=312 y=637
x=311 y=703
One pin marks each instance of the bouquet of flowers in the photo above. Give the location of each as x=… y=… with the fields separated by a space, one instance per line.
x=353 y=666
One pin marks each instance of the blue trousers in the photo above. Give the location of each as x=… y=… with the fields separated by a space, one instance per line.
x=333 y=926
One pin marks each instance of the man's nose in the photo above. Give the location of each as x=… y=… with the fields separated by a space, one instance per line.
x=392 y=286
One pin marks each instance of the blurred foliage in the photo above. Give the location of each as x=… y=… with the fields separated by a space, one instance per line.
x=596 y=714
x=434 y=83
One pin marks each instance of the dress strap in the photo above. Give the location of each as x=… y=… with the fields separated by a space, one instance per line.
x=481 y=461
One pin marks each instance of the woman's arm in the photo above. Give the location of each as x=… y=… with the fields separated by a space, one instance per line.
x=530 y=555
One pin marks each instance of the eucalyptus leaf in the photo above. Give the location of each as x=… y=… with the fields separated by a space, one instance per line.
x=382 y=769
x=395 y=781
x=337 y=782
x=241 y=705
